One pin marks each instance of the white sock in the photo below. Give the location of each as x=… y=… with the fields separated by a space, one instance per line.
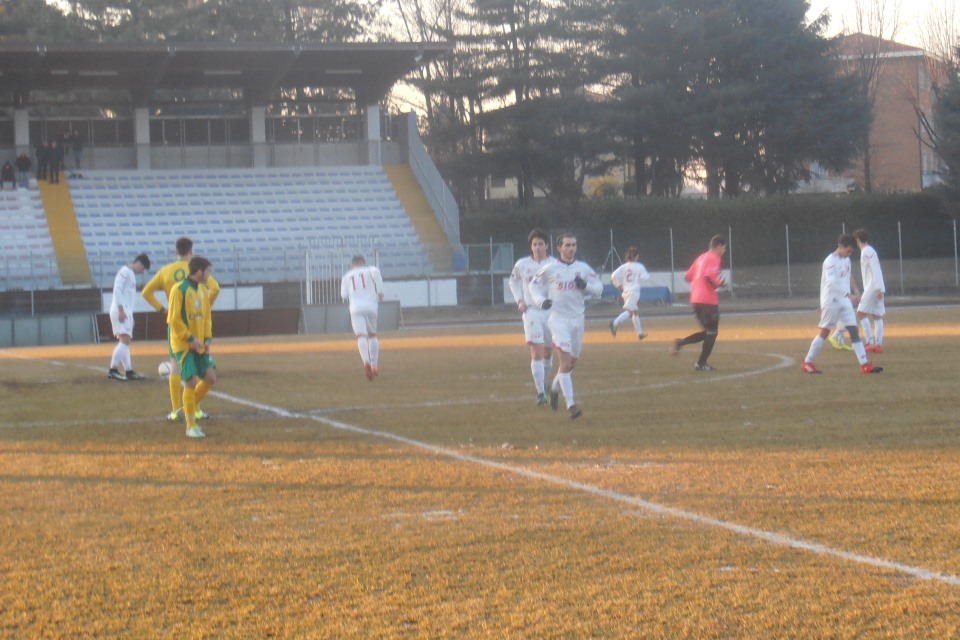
x=374 y=343
x=621 y=318
x=867 y=333
x=536 y=368
x=566 y=385
x=547 y=366
x=815 y=347
x=363 y=347
x=637 y=325
x=117 y=355
x=879 y=337
x=125 y=357
x=861 y=352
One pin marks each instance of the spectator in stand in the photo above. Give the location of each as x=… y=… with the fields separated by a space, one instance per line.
x=24 y=164
x=7 y=174
x=76 y=141
x=41 y=161
x=54 y=161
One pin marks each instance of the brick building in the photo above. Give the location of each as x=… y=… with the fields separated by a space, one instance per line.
x=901 y=160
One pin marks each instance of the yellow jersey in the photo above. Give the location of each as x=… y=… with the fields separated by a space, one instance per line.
x=189 y=315
x=168 y=277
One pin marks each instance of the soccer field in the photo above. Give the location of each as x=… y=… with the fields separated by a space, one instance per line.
x=440 y=502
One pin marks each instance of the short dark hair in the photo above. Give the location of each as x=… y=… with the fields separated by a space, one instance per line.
x=198 y=263
x=184 y=246
x=563 y=236
x=538 y=233
x=632 y=254
x=717 y=241
x=861 y=235
x=358 y=260
x=143 y=259
x=846 y=240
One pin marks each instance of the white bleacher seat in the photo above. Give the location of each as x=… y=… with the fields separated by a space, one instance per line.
x=244 y=214
x=26 y=249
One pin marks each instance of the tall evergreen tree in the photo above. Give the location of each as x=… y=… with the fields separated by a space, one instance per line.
x=947 y=120
x=647 y=58
x=772 y=98
x=538 y=124
x=36 y=20
x=225 y=20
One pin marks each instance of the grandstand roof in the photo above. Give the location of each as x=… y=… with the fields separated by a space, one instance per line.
x=259 y=69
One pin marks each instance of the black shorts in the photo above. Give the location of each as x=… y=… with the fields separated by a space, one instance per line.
x=708 y=315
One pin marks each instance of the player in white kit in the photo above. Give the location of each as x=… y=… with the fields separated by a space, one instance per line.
x=627 y=278
x=562 y=287
x=871 y=307
x=836 y=305
x=535 y=329
x=121 y=317
x=362 y=288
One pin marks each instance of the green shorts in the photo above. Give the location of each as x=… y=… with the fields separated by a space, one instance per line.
x=194 y=364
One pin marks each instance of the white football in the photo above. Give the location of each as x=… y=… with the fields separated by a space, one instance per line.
x=164 y=369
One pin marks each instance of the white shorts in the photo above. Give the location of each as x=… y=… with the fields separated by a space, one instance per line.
x=536 y=330
x=124 y=328
x=630 y=299
x=567 y=334
x=871 y=305
x=364 y=323
x=841 y=312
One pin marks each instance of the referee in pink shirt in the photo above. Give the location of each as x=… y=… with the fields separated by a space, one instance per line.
x=704 y=276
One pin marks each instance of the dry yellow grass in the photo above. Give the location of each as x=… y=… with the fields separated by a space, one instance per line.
x=406 y=508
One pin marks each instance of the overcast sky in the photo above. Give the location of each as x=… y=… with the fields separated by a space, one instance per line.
x=912 y=15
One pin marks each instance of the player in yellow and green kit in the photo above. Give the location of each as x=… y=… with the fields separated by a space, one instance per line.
x=168 y=277
x=190 y=328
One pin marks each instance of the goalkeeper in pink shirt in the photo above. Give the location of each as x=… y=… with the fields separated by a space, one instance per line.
x=705 y=277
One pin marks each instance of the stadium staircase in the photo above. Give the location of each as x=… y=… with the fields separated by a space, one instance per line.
x=254 y=224
x=421 y=214
x=64 y=233
x=27 y=258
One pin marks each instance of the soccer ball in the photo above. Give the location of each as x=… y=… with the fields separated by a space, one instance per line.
x=164 y=369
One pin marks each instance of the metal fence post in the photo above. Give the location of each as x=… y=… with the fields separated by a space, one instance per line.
x=900 y=246
x=786 y=230
x=730 y=256
x=956 y=267
x=490 y=269
x=673 y=267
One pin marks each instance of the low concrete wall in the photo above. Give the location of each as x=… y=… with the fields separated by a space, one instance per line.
x=152 y=325
x=335 y=318
x=47 y=330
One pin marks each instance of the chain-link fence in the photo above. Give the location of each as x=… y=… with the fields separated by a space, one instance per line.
x=917 y=257
x=784 y=261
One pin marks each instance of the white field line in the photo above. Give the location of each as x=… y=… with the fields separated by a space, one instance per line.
x=644 y=505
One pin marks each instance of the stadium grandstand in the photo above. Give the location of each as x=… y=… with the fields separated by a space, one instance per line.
x=269 y=155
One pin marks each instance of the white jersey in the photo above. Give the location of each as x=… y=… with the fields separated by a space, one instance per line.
x=124 y=290
x=628 y=277
x=361 y=287
x=555 y=282
x=870 y=270
x=523 y=272
x=835 y=281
